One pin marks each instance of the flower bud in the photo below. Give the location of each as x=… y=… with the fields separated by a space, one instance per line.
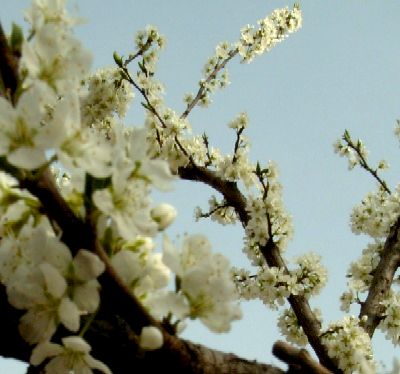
x=150 y=338
x=163 y=215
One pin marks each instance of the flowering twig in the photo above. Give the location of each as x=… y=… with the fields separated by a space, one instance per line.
x=203 y=84
x=271 y=253
x=149 y=106
x=237 y=143
x=357 y=148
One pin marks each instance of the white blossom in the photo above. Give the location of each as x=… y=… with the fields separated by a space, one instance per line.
x=73 y=356
x=271 y=30
x=163 y=214
x=350 y=344
x=205 y=281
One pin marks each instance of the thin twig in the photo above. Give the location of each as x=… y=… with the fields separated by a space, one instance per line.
x=212 y=75
x=364 y=164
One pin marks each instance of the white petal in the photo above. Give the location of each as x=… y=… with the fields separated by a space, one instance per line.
x=69 y=314
x=44 y=350
x=86 y=296
x=103 y=200
x=55 y=282
x=27 y=158
x=160 y=174
x=76 y=343
x=31 y=103
x=96 y=364
x=171 y=256
x=87 y=265
x=37 y=325
x=126 y=264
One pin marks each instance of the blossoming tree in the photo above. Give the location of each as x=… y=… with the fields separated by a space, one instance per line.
x=83 y=284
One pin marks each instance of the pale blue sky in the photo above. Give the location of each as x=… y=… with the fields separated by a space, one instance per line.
x=339 y=71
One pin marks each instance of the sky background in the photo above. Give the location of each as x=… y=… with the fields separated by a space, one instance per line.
x=340 y=71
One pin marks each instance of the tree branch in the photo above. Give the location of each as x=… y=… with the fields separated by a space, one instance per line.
x=382 y=280
x=113 y=335
x=299 y=359
x=271 y=253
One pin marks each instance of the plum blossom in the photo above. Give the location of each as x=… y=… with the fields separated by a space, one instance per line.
x=56 y=58
x=23 y=137
x=205 y=280
x=163 y=214
x=350 y=344
x=73 y=356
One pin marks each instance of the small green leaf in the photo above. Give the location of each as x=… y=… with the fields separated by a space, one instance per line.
x=118 y=59
x=16 y=39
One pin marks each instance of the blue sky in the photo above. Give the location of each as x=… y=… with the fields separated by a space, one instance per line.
x=339 y=71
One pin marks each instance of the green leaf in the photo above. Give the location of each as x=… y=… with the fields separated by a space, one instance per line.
x=118 y=59
x=16 y=39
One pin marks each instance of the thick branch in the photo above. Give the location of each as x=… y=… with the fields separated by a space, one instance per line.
x=229 y=190
x=114 y=342
x=58 y=211
x=299 y=359
x=382 y=280
x=301 y=308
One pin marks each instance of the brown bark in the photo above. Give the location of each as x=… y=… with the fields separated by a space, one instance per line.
x=299 y=360
x=382 y=280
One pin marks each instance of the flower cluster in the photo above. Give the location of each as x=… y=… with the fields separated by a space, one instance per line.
x=353 y=153
x=271 y=30
x=390 y=324
x=126 y=200
x=291 y=329
x=268 y=217
x=204 y=280
x=237 y=167
x=163 y=136
x=149 y=42
x=141 y=269
x=43 y=278
x=106 y=94
x=348 y=343
x=272 y=285
x=220 y=212
x=73 y=354
x=253 y=42
x=310 y=275
x=54 y=55
x=360 y=272
x=376 y=214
